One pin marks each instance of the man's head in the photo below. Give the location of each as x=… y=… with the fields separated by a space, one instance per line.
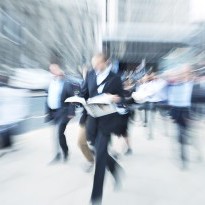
x=56 y=70
x=99 y=62
x=179 y=74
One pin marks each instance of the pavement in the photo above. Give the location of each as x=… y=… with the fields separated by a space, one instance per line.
x=152 y=173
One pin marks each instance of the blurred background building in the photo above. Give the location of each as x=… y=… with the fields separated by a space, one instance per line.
x=158 y=31
x=140 y=36
x=150 y=29
x=31 y=30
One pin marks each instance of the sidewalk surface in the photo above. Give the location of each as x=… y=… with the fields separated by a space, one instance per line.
x=153 y=175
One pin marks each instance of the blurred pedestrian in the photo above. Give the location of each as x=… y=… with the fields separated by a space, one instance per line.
x=151 y=93
x=59 y=111
x=102 y=80
x=179 y=99
x=125 y=114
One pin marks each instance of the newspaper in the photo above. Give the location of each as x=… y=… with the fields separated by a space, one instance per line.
x=97 y=106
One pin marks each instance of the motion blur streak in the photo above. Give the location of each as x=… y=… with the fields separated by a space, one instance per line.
x=157 y=47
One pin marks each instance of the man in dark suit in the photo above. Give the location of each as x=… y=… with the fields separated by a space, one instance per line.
x=102 y=80
x=59 y=111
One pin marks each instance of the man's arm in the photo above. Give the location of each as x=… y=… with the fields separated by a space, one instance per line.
x=84 y=89
x=66 y=93
x=118 y=95
x=119 y=86
x=47 y=109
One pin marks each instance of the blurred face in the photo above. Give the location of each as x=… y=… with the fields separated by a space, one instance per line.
x=179 y=74
x=187 y=72
x=56 y=71
x=98 y=63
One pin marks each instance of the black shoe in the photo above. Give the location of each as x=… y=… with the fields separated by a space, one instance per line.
x=56 y=159
x=66 y=156
x=128 y=152
x=184 y=165
x=88 y=167
x=96 y=202
x=119 y=173
x=115 y=155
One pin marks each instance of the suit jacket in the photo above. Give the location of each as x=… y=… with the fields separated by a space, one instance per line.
x=113 y=85
x=66 y=110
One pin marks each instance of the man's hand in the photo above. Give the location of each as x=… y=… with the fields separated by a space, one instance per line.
x=70 y=116
x=138 y=97
x=114 y=98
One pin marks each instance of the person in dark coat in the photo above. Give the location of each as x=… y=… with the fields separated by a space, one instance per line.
x=98 y=81
x=59 y=111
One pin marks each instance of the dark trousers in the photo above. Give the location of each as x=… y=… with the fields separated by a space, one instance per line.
x=181 y=117
x=62 y=138
x=61 y=122
x=103 y=159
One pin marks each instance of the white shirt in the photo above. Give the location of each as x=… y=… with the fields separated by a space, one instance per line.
x=102 y=76
x=54 y=93
x=153 y=91
x=158 y=91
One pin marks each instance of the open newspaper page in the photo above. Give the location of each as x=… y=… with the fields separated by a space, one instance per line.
x=97 y=106
x=100 y=99
x=76 y=99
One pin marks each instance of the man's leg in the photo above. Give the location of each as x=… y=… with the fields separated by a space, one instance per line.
x=91 y=130
x=101 y=162
x=146 y=107
x=62 y=139
x=116 y=170
x=82 y=143
x=184 y=135
x=55 y=124
x=56 y=143
x=127 y=141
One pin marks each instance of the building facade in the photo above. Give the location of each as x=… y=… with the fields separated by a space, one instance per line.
x=30 y=30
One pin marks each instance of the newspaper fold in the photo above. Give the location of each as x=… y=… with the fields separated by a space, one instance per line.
x=97 y=106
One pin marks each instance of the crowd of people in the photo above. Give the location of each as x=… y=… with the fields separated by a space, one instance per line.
x=134 y=94
x=171 y=92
